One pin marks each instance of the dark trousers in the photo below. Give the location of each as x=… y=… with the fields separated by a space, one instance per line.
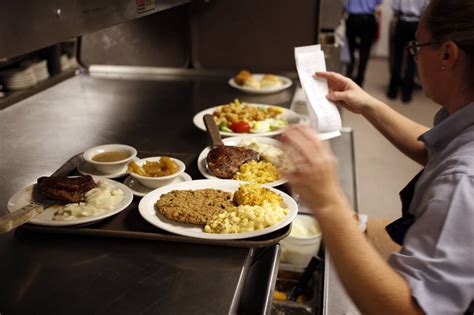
x=404 y=32
x=360 y=32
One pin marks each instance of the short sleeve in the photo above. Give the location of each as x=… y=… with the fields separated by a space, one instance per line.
x=437 y=257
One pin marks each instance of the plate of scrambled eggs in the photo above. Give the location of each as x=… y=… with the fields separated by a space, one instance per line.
x=266 y=171
x=258 y=210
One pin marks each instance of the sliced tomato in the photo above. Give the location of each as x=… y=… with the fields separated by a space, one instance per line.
x=240 y=126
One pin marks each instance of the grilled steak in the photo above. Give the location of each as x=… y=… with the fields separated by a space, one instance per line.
x=224 y=161
x=70 y=189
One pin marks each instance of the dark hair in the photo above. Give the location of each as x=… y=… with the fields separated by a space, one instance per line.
x=453 y=20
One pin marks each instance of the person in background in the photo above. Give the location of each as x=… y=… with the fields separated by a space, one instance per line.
x=433 y=271
x=407 y=13
x=361 y=28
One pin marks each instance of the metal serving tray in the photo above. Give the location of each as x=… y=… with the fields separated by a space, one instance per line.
x=129 y=223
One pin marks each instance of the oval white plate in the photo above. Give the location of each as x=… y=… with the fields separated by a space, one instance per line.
x=140 y=190
x=87 y=169
x=201 y=161
x=290 y=116
x=286 y=83
x=146 y=207
x=23 y=197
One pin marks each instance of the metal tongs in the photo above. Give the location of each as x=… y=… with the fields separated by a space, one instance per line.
x=313 y=264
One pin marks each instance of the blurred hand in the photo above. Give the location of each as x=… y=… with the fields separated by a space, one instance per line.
x=347 y=93
x=314 y=176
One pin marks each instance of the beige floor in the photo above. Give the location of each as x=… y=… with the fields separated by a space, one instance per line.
x=381 y=169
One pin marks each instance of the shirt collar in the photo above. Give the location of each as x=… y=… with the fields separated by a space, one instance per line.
x=447 y=127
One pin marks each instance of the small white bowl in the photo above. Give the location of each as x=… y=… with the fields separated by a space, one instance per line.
x=109 y=167
x=303 y=242
x=156 y=182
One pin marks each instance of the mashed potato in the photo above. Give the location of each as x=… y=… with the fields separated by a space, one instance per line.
x=104 y=198
x=257 y=208
x=260 y=172
x=268 y=153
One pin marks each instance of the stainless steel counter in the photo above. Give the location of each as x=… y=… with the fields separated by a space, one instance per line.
x=71 y=274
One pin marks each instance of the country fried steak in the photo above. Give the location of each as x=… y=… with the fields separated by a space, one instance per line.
x=70 y=189
x=193 y=206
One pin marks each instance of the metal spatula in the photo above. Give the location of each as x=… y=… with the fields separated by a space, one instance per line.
x=39 y=202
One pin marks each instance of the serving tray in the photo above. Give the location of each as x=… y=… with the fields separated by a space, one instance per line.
x=130 y=224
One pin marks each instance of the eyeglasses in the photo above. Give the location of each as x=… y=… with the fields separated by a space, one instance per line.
x=414 y=47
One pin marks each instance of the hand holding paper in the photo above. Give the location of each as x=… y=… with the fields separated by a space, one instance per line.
x=324 y=115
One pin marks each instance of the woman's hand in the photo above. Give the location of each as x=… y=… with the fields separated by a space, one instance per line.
x=314 y=177
x=347 y=93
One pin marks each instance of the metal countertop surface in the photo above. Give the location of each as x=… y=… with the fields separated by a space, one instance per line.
x=74 y=274
x=58 y=274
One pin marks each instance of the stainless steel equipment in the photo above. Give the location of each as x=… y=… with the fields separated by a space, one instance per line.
x=150 y=104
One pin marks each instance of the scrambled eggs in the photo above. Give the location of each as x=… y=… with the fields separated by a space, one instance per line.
x=246 y=218
x=257 y=209
x=258 y=172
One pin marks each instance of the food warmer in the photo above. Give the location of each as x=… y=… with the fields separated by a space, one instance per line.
x=144 y=69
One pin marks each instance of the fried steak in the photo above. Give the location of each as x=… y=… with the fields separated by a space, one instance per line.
x=70 y=189
x=193 y=206
x=225 y=161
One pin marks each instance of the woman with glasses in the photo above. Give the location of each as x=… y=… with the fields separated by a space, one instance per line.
x=433 y=272
x=408 y=14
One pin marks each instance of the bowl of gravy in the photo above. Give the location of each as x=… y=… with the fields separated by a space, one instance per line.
x=110 y=158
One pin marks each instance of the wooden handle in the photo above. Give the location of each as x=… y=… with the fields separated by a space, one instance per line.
x=19 y=217
x=213 y=130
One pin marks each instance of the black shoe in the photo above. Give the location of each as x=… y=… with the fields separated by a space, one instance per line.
x=406 y=98
x=391 y=94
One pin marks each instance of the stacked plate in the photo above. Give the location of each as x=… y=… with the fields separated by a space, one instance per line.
x=65 y=62
x=27 y=75
x=40 y=69
x=18 y=79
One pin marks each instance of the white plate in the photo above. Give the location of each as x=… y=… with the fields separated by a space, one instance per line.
x=87 y=169
x=23 y=197
x=146 y=207
x=286 y=83
x=140 y=190
x=201 y=161
x=290 y=116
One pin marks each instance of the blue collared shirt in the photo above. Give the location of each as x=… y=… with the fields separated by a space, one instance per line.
x=437 y=257
x=410 y=10
x=361 y=6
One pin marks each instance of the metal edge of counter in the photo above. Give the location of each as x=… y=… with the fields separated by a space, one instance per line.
x=240 y=284
x=335 y=297
x=131 y=71
x=270 y=256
